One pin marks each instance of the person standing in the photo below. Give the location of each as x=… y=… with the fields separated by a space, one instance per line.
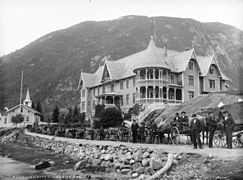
x=184 y=121
x=229 y=127
x=134 y=129
x=142 y=133
x=153 y=130
x=211 y=126
x=196 y=128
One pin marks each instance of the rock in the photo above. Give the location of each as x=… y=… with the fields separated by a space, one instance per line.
x=79 y=165
x=143 y=177
x=210 y=156
x=108 y=157
x=117 y=165
x=138 y=155
x=136 y=165
x=149 y=171
x=42 y=164
x=145 y=162
x=146 y=154
x=135 y=175
x=125 y=171
x=128 y=156
x=95 y=162
x=132 y=161
x=125 y=166
x=106 y=163
x=156 y=163
x=140 y=170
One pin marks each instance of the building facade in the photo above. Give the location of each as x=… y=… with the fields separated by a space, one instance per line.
x=152 y=76
x=30 y=115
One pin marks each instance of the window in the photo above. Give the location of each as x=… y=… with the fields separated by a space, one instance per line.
x=191 y=94
x=191 y=80
x=172 y=79
x=164 y=73
x=93 y=92
x=133 y=82
x=83 y=106
x=93 y=104
x=212 y=83
x=103 y=89
x=121 y=84
x=127 y=99
x=211 y=70
x=122 y=101
x=127 y=83
x=112 y=88
x=191 y=65
x=83 y=93
x=98 y=90
x=134 y=98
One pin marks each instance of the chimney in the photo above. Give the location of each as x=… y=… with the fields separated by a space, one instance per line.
x=165 y=48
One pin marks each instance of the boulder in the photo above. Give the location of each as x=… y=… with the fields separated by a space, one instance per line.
x=146 y=154
x=145 y=162
x=156 y=163
x=128 y=156
x=136 y=165
x=108 y=157
x=134 y=175
x=140 y=170
x=44 y=164
x=138 y=155
x=125 y=171
x=149 y=171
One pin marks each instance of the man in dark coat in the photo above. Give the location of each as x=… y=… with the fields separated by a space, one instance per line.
x=134 y=129
x=229 y=124
x=196 y=128
x=153 y=130
x=142 y=133
x=176 y=120
x=184 y=121
x=211 y=126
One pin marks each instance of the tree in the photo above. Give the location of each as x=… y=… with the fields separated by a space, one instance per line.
x=98 y=110
x=17 y=119
x=55 y=114
x=3 y=81
x=33 y=106
x=39 y=109
x=111 y=117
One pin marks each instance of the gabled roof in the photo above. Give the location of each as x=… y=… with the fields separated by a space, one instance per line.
x=24 y=106
x=206 y=62
x=181 y=60
x=88 y=79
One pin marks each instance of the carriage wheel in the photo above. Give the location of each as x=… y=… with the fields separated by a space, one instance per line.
x=175 y=135
x=238 y=141
x=219 y=138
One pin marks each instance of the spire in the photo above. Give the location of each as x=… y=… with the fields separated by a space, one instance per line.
x=151 y=43
x=27 y=100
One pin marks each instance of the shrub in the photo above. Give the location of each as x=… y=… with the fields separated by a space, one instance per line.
x=111 y=117
x=17 y=119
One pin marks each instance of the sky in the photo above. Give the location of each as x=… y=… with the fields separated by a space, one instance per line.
x=23 y=21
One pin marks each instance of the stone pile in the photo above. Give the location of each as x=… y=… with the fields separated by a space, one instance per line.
x=134 y=162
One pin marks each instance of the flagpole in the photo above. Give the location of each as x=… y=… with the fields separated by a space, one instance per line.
x=21 y=88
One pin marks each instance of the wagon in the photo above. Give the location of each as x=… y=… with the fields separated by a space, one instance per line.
x=220 y=137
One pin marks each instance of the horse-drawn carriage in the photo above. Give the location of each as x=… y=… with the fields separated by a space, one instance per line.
x=220 y=136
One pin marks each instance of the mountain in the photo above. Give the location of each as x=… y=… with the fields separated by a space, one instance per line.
x=53 y=62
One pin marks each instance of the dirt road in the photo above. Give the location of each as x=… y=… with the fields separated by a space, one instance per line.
x=217 y=153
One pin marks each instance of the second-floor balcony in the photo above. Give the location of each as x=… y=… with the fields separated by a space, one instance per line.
x=151 y=82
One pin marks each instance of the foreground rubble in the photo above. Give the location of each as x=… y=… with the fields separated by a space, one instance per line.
x=123 y=162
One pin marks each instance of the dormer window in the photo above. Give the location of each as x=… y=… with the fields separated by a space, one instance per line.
x=191 y=65
x=211 y=70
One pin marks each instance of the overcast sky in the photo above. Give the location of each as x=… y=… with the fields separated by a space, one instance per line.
x=23 y=21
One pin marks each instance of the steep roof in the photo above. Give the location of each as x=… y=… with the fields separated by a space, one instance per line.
x=181 y=60
x=206 y=62
x=24 y=106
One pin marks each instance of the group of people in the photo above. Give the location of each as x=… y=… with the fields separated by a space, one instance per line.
x=138 y=131
x=195 y=127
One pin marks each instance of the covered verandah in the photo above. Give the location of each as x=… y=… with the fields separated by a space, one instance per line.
x=110 y=99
